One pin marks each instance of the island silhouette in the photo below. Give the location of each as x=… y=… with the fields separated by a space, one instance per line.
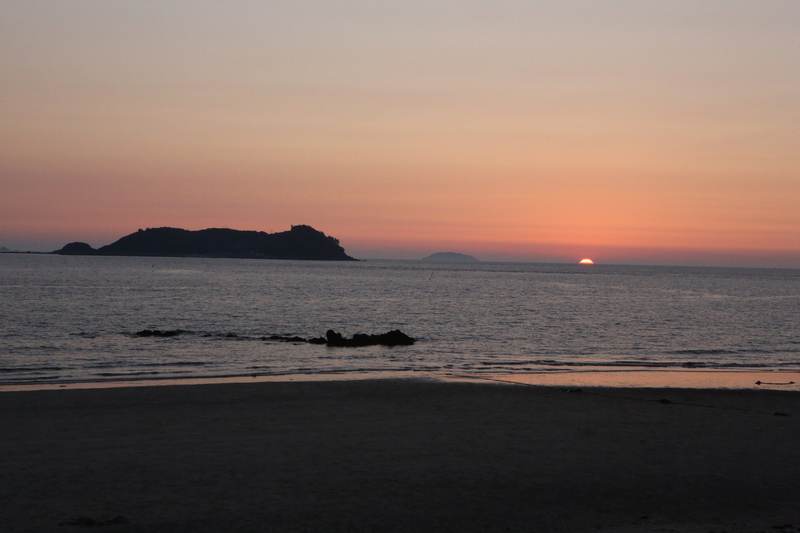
x=450 y=257
x=300 y=242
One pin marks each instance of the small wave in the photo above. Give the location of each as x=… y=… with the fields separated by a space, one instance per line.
x=509 y=363
x=124 y=374
x=551 y=362
x=712 y=351
x=162 y=365
x=232 y=336
x=627 y=364
x=29 y=379
x=34 y=369
x=742 y=351
x=84 y=335
x=158 y=333
x=127 y=364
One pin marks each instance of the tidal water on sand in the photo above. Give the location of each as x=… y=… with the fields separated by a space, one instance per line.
x=70 y=318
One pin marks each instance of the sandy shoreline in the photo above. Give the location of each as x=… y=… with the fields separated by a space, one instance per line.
x=684 y=379
x=399 y=455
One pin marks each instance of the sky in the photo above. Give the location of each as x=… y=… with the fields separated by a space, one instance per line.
x=637 y=132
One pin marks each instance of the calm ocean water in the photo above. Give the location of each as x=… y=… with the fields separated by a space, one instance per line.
x=67 y=319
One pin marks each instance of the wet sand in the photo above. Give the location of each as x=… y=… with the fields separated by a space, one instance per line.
x=398 y=455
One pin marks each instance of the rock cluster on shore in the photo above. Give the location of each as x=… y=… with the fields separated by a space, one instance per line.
x=391 y=338
x=331 y=338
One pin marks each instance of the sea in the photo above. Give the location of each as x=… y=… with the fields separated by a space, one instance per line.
x=75 y=319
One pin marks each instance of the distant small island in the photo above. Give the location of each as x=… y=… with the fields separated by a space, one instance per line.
x=300 y=242
x=451 y=257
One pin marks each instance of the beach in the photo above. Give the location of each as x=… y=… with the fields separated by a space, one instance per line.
x=399 y=455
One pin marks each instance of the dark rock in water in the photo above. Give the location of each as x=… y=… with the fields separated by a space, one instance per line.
x=283 y=338
x=394 y=338
x=333 y=338
x=82 y=521
x=159 y=333
x=391 y=338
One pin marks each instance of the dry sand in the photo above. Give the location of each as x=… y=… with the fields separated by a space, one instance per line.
x=398 y=455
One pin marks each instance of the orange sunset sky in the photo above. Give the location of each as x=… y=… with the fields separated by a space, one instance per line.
x=626 y=131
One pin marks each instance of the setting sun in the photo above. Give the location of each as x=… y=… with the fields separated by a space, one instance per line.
x=586 y=262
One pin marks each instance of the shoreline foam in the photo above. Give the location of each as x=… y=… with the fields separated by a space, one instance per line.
x=692 y=379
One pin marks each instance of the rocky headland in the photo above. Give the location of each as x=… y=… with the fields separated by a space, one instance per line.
x=300 y=242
